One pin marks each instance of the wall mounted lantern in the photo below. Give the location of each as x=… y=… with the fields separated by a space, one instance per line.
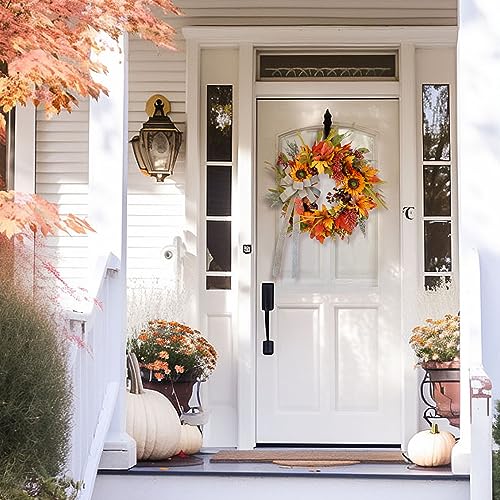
x=159 y=140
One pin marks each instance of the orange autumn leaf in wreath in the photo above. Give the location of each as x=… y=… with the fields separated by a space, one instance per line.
x=323 y=153
x=363 y=204
x=320 y=222
x=346 y=221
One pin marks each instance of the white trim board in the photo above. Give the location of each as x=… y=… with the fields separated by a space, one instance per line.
x=323 y=36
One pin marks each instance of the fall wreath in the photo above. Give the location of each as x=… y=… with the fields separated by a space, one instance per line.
x=346 y=206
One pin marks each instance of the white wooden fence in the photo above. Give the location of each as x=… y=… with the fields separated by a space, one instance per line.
x=95 y=388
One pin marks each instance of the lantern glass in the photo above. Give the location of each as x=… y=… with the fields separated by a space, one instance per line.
x=157 y=146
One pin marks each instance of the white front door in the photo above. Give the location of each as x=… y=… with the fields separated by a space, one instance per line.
x=335 y=376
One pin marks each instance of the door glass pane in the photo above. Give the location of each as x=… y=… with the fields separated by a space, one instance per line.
x=219 y=122
x=218 y=191
x=437 y=244
x=436 y=122
x=218 y=282
x=437 y=190
x=218 y=246
x=432 y=282
x=358 y=138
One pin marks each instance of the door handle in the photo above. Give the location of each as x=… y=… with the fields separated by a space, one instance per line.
x=267 y=292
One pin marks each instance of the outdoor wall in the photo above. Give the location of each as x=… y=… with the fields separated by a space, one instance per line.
x=61 y=143
x=156 y=211
x=62 y=178
x=316 y=12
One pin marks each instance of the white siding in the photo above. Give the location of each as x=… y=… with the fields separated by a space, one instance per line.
x=318 y=12
x=62 y=178
x=155 y=210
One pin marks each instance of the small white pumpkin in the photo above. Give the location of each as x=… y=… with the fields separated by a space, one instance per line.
x=431 y=448
x=191 y=440
x=151 y=419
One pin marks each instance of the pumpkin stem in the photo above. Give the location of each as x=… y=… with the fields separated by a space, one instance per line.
x=434 y=428
x=135 y=374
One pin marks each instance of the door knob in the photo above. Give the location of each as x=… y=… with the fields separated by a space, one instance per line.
x=267 y=292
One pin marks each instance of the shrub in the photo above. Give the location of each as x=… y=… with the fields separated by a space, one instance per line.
x=35 y=397
x=496 y=454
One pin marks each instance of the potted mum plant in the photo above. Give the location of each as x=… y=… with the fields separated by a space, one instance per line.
x=437 y=347
x=173 y=357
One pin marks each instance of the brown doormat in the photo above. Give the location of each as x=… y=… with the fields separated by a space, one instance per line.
x=176 y=461
x=314 y=463
x=269 y=456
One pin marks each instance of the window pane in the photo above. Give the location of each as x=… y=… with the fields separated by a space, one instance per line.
x=218 y=190
x=218 y=282
x=432 y=282
x=436 y=122
x=219 y=122
x=219 y=246
x=437 y=190
x=437 y=242
x=303 y=66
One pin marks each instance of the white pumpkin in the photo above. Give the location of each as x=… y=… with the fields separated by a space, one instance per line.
x=151 y=419
x=431 y=448
x=191 y=440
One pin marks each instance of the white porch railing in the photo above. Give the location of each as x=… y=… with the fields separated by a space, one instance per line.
x=95 y=388
x=473 y=453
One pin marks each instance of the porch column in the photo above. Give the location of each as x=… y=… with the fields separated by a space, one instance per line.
x=478 y=74
x=24 y=153
x=108 y=165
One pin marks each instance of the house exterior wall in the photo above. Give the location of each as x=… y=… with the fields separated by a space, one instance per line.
x=61 y=176
x=62 y=142
x=157 y=211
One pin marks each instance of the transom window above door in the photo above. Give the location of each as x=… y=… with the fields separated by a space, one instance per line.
x=300 y=65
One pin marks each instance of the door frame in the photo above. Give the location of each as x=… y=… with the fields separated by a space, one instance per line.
x=247 y=39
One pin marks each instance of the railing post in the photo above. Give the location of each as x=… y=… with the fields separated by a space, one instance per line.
x=480 y=466
x=108 y=165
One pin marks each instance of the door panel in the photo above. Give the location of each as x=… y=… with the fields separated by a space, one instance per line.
x=335 y=375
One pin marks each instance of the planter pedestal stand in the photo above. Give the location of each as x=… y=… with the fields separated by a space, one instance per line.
x=441 y=384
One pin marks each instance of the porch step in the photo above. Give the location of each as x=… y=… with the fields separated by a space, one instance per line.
x=271 y=482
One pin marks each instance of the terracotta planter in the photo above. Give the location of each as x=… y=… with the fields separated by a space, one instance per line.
x=179 y=393
x=444 y=378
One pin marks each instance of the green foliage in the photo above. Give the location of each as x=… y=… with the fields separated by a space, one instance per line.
x=496 y=475
x=496 y=454
x=43 y=489
x=35 y=395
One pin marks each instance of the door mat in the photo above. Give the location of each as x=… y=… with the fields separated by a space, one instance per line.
x=176 y=461
x=269 y=456
x=314 y=463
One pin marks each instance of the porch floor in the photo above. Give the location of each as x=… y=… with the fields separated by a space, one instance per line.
x=368 y=471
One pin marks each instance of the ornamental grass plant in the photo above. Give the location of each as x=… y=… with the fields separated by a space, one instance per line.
x=35 y=395
x=173 y=352
x=35 y=392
